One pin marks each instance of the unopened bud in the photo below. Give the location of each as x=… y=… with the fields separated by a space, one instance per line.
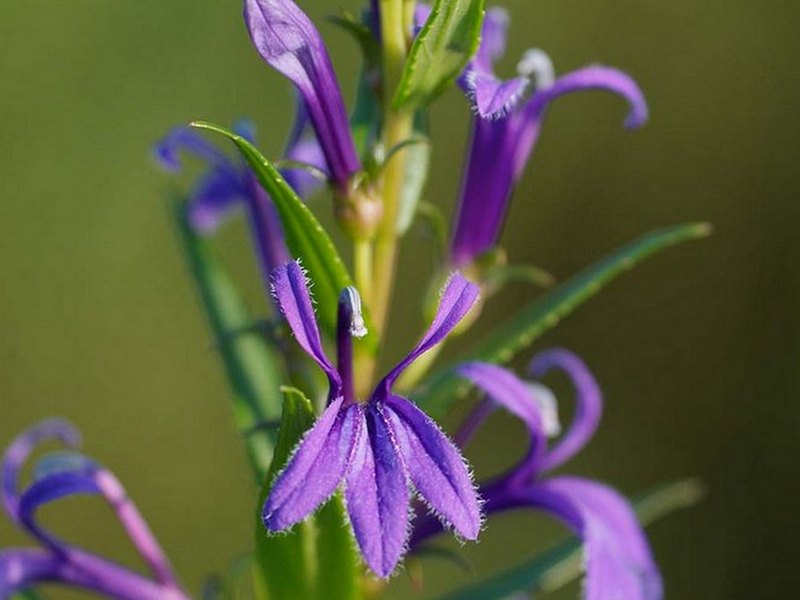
x=359 y=211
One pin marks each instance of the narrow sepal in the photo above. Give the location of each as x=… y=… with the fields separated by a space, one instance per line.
x=377 y=495
x=458 y=297
x=436 y=468
x=315 y=468
x=290 y=288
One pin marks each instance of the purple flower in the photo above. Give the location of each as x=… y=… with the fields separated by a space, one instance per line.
x=377 y=448
x=288 y=41
x=619 y=563
x=59 y=476
x=229 y=183
x=506 y=128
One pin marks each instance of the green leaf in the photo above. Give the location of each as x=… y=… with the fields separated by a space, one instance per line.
x=417 y=161
x=362 y=34
x=27 y=594
x=316 y=559
x=435 y=222
x=253 y=366
x=305 y=237
x=445 y=387
x=440 y=51
x=563 y=563
x=496 y=278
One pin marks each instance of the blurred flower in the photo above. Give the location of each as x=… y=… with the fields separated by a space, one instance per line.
x=67 y=474
x=619 y=563
x=505 y=130
x=229 y=183
x=377 y=448
x=289 y=42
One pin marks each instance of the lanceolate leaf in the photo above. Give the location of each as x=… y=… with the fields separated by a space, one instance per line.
x=316 y=560
x=253 y=366
x=305 y=237
x=562 y=563
x=417 y=161
x=444 y=387
x=439 y=53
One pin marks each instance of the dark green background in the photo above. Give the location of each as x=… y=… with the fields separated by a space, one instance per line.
x=697 y=351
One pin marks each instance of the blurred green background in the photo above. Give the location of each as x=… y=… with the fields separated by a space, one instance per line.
x=697 y=351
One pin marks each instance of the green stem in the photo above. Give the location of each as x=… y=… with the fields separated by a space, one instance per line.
x=362 y=260
x=398 y=127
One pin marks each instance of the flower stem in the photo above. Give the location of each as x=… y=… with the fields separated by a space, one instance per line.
x=362 y=259
x=398 y=126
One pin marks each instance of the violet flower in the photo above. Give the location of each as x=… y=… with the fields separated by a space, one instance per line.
x=619 y=563
x=506 y=128
x=289 y=42
x=56 y=561
x=376 y=448
x=229 y=183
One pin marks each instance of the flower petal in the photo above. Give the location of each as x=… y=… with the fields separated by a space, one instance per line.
x=458 y=297
x=290 y=288
x=510 y=392
x=619 y=562
x=167 y=151
x=307 y=151
x=436 y=467
x=594 y=78
x=486 y=188
x=506 y=389
x=494 y=36
x=304 y=148
x=377 y=496
x=287 y=39
x=212 y=201
x=588 y=404
x=492 y=97
x=586 y=79
x=72 y=474
x=20 y=450
x=315 y=468
x=23 y=568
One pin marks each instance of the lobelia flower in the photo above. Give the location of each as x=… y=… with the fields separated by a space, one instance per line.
x=376 y=448
x=288 y=41
x=59 y=476
x=618 y=560
x=230 y=183
x=506 y=128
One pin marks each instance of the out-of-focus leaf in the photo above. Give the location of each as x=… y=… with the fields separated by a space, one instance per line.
x=440 y=52
x=254 y=367
x=417 y=160
x=305 y=237
x=434 y=220
x=27 y=595
x=316 y=560
x=496 y=278
x=444 y=387
x=362 y=34
x=338 y=563
x=562 y=563
x=235 y=584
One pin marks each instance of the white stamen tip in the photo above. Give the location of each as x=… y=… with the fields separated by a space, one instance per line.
x=548 y=408
x=536 y=64
x=358 y=328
